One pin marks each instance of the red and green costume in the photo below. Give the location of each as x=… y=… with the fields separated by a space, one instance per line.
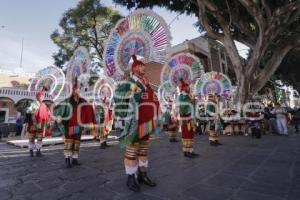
x=170 y=122
x=77 y=116
x=215 y=122
x=104 y=118
x=185 y=111
x=38 y=118
x=140 y=123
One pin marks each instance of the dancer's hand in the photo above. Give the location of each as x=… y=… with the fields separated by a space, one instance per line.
x=58 y=119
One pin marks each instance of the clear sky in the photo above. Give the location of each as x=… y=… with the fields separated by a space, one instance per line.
x=35 y=20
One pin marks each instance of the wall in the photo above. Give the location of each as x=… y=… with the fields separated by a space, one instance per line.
x=6 y=103
x=153 y=70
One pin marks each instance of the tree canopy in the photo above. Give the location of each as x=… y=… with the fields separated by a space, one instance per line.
x=270 y=28
x=289 y=70
x=88 y=24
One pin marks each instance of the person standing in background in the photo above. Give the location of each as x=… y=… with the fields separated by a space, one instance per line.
x=281 y=119
x=171 y=121
x=296 y=118
x=19 y=124
x=107 y=123
x=272 y=119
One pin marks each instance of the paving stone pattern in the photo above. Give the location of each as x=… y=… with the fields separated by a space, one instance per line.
x=242 y=169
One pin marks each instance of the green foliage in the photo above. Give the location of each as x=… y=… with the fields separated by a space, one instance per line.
x=289 y=70
x=88 y=24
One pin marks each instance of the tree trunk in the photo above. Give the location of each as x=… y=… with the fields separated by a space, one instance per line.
x=243 y=85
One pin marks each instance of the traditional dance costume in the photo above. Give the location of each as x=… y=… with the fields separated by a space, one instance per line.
x=215 y=122
x=38 y=118
x=106 y=123
x=171 y=123
x=137 y=131
x=186 y=119
x=76 y=115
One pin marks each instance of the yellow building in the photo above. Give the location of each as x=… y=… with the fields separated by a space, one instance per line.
x=16 y=81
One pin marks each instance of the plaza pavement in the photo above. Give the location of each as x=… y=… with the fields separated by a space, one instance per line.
x=243 y=168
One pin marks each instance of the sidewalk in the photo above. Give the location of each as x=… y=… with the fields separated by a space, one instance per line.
x=22 y=142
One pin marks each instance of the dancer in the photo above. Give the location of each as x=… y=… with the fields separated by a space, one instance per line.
x=215 y=124
x=171 y=121
x=107 y=123
x=38 y=118
x=186 y=105
x=138 y=126
x=74 y=117
x=149 y=39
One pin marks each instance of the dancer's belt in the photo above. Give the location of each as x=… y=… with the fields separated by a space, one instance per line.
x=74 y=130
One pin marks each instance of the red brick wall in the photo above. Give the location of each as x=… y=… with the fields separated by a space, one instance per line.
x=153 y=70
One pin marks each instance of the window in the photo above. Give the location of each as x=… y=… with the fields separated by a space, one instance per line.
x=2 y=116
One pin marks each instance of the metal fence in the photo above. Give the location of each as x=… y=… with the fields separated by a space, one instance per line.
x=6 y=128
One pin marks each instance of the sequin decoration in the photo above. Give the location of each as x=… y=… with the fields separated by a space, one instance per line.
x=103 y=88
x=143 y=33
x=52 y=78
x=181 y=66
x=79 y=64
x=166 y=93
x=213 y=83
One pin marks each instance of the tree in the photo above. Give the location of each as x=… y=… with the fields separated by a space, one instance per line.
x=270 y=28
x=89 y=25
x=289 y=70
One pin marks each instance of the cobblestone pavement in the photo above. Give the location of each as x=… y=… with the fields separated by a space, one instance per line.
x=243 y=168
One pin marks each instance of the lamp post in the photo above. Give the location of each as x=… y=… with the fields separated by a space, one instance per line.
x=21 y=59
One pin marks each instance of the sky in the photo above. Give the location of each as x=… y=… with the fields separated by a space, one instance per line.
x=33 y=21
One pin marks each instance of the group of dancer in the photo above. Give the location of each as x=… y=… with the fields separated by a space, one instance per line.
x=184 y=120
x=75 y=115
x=132 y=100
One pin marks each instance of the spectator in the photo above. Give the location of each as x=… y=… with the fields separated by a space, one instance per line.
x=281 y=119
x=254 y=121
x=271 y=116
x=296 y=118
x=19 y=124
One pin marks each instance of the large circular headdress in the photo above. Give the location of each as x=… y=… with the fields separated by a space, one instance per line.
x=79 y=64
x=103 y=89
x=212 y=83
x=51 y=78
x=78 y=68
x=181 y=66
x=166 y=93
x=143 y=33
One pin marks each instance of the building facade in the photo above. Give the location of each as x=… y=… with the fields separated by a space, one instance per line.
x=13 y=93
